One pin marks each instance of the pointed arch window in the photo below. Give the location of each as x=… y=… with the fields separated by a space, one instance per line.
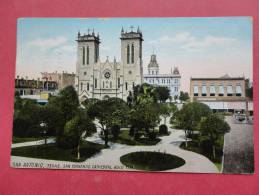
x=132 y=53
x=128 y=54
x=87 y=86
x=83 y=58
x=87 y=55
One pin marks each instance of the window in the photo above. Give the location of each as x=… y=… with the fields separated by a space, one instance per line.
x=212 y=90
x=95 y=83
x=87 y=86
x=126 y=86
x=152 y=72
x=133 y=85
x=84 y=73
x=81 y=86
x=204 y=90
x=238 y=90
x=128 y=54
x=83 y=56
x=176 y=89
x=87 y=55
x=229 y=90
x=195 y=91
x=221 y=90
x=110 y=84
x=175 y=81
x=132 y=53
x=103 y=84
x=119 y=82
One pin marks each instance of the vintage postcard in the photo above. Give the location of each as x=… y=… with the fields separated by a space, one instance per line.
x=134 y=94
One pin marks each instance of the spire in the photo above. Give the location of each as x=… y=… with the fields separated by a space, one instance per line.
x=93 y=32
x=98 y=35
x=122 y=30
x=78 y=34
x=114 y=59
x=138 y=31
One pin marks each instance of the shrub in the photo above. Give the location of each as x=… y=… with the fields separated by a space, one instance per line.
x=152 y=135
x=115 y=130
x=163 y=130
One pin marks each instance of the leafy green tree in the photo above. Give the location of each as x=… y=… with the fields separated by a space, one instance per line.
x=65 y=106
x=79 y=127
x=189 y=117
x=110 y=112
x=66 y=102
x=145 y=115
x=163 y=93
x=27 y=118
x=164 y=111
x=212 y=127
x=144 y=93
x=184 y=96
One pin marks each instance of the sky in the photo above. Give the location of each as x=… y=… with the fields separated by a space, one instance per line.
x=199 y=47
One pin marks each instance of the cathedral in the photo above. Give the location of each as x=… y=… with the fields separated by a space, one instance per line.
x=101 y=80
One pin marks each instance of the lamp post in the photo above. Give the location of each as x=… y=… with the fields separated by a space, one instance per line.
x=43 y=126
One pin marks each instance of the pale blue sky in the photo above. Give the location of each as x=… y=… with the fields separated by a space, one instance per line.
x=199 y=47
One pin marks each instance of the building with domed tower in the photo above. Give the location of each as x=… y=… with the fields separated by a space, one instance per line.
x=100 y=80
x=171 y=80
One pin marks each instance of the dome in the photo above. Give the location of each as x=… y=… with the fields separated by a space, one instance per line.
x=153 y=63
x=176 y=71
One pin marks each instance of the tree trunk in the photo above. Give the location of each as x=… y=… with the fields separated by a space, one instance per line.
x=106 y=137
x=78 y=151
x=186 y=143
x=214 y=152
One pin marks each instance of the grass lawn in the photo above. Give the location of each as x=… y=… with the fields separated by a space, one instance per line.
x=194 y=147
x=25 y=139
x=151 y=161
x=124 y=138
x=52 y=152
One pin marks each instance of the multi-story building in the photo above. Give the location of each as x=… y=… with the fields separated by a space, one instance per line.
x=63 y=79
x=171 y=80
x=95 y=79
x=221 y=94
x=25 y=86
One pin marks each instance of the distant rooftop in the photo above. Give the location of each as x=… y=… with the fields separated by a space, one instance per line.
x=224 y=77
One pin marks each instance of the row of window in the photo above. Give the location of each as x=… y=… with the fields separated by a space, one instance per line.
x=153 y=72
x=152 y=80
x=95 y=85
x=221 y=90
x=130 y=58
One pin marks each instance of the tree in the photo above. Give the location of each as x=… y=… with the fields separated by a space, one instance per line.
x=163 y=93
x=26 y=118
x=164 y=111
x=66 y=102
x=189 y=117
x=144 y=115
x=79 y=127
x=110 y=112
x=65 y=105
x=212 y=128
x=184 y=96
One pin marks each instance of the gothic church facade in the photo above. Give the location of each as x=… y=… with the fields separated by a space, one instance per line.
x=100 y=80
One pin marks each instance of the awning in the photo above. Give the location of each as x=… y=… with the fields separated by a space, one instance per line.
x=238 y=89
x=221 y=89
x=212 y=89
x=195 y=89
x=204 y=89
x=229 y=89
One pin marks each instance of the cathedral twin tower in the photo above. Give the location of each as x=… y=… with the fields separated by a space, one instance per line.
x=100 y=80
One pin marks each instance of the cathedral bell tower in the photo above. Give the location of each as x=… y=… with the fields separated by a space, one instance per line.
x=131 y=59
x=87 y=57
